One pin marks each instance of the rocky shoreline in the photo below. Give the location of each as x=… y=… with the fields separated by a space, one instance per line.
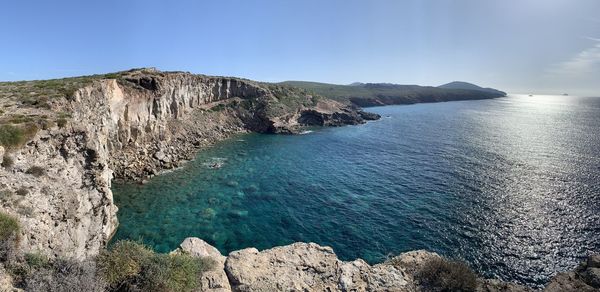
x=311 y=267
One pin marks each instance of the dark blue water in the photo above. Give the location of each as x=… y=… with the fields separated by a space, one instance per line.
x=510 y=185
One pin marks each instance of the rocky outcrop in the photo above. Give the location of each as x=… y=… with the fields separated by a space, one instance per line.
x=308 y=266
x=311 y=267
x=132 y=127
x=584 y=278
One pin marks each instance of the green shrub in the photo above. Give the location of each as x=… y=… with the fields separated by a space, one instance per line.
x=36 y=171
x=439 y=274
x=9 y=235
x=12 y=136
x=7 y=161
x=36 y=260
x=61 y=122
x=123 y=262
x=132 y=266
x=9 y=226
x=183 y=271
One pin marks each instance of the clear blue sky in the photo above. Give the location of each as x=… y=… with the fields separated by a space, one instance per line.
x=515 y=45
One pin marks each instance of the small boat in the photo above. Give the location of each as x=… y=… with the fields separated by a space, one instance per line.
x=531 y=95
x=565 y=94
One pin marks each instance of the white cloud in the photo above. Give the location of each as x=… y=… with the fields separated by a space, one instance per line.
x=580 y=65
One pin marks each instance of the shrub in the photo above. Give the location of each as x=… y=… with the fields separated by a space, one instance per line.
x=9 y=230
x=22 y=191
x=61 y=122
x=36 y=260
x=439 y=274
x=36 y=171
x=5 y=195
x=131 y=266
x=7 y=161
x=9 y=226
x=12 y=136
x=65 y=275
x=123 y=262
x=180 y=272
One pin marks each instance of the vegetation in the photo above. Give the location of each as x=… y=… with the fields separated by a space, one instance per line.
x=7 y=161
x=439 y=274
x=61 y=122
x=131 y=266
x=63 y=275
x=127 y=266
x=15 y=136
x=370 y=94
x=9 y=226
x=9 y=234
x=36 y=171
x=22 y=191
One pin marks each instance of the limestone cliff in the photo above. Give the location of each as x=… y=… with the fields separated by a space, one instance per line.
x=131 y=126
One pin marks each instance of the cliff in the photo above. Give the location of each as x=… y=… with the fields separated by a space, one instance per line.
x=60 y=154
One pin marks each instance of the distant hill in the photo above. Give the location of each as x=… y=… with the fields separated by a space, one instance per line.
x=469 y=86
x=374 y=94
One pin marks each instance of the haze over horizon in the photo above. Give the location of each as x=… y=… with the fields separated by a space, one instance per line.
x=530 y=46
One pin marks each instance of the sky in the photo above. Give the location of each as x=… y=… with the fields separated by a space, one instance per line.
x=519 y=46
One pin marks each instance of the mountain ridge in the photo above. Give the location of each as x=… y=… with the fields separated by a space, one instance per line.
x=378 y=94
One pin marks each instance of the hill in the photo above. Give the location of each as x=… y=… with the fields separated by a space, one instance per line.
x=376 y=94
x=468 y=86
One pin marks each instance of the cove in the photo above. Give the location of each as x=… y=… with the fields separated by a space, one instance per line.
x=508 y=185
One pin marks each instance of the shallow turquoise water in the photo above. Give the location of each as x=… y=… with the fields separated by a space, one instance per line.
x=509 y=185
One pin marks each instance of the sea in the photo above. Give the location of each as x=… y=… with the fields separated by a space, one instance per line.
x=509 y=185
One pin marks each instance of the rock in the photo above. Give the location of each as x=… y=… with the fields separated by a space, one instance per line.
x=214 y=280
x=412 y=261
x=493 y=285
x=585 y=278
x=308 y=267
x=593 y=261
x=369 y=116
x=592 y=277
x=161 y=156
x=566 y=282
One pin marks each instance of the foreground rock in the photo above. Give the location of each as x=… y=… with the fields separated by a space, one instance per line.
x=584 y=278
x=308 y=267
x=311 y=267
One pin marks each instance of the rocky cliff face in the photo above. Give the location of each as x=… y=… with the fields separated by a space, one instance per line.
x=131 y=127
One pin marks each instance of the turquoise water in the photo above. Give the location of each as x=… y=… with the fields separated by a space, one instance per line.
x=510 y=185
